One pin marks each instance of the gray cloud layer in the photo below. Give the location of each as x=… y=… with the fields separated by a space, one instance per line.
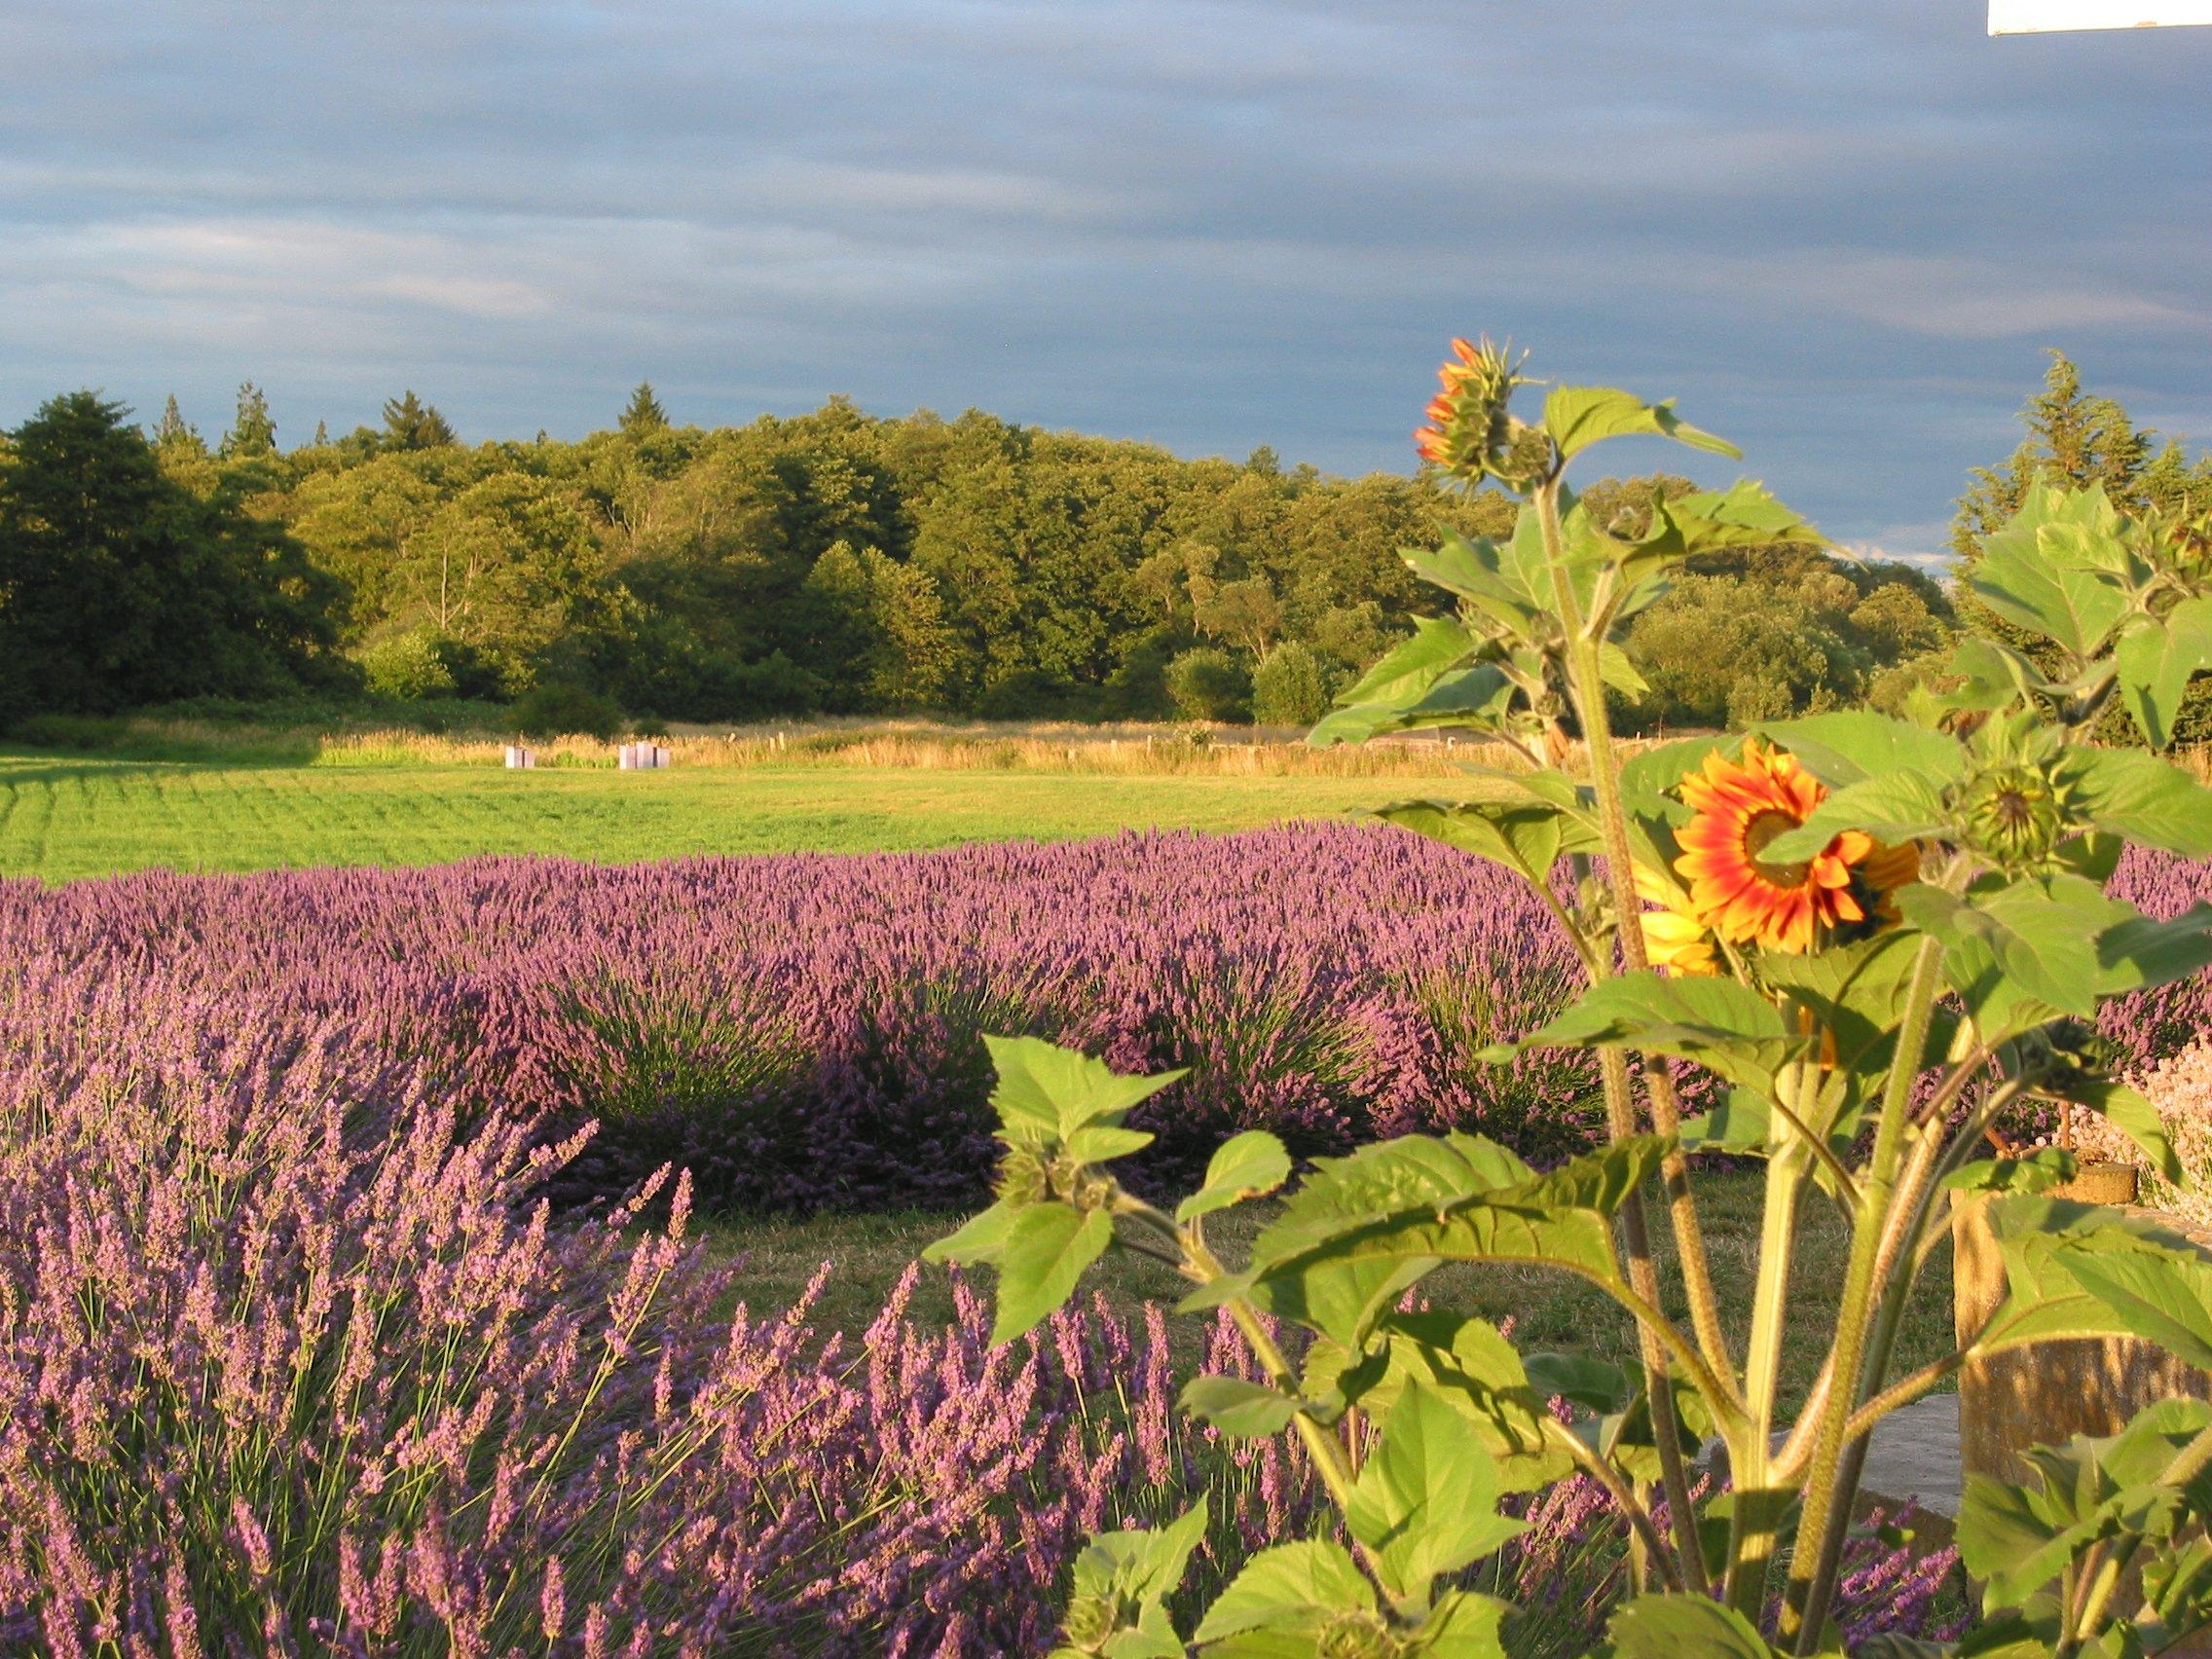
x=1839 y=230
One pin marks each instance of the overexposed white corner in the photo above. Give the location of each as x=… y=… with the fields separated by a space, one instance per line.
x=2041 y=16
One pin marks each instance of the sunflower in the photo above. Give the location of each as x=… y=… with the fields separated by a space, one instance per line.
x=1742 y=805
x=1672 y=938
x=1470 y=434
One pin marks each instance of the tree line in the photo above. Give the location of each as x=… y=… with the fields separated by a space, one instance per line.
x=831 y=562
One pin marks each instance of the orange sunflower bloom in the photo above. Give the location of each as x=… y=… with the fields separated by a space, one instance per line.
x=1742 y=805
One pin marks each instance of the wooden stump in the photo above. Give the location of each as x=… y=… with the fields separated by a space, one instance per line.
x=2051 y=1391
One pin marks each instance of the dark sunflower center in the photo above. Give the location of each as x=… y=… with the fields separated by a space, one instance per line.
x=2014 y=811
x=1763 y=828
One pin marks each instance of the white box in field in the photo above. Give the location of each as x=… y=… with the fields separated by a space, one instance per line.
x=2045 y=17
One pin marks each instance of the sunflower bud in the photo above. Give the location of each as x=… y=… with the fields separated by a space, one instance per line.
x=2068 y=1056
x=1023 y=1178
x=1091 y=1620
x=1076 y=1183
x=1471 y=434
x=2015 y=816
x=1358 y=1636
x=2188 y=542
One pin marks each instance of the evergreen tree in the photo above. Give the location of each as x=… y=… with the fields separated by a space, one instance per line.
x=410 y=423
x=643 y=416
x=2077 y=441
x=322 y=434
x=174 y=429
x=183 y=453
x=120 y=587
x=253 y=432
x=2074 y=439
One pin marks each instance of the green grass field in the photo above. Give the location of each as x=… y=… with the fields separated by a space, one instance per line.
x=64 y=817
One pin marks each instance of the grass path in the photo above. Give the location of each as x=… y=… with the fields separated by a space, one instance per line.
x=66 y=816
x=1550 y=1311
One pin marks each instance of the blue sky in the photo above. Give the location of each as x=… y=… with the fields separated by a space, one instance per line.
x=1840 y=231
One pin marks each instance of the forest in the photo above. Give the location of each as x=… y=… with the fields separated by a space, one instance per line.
x=839 y=561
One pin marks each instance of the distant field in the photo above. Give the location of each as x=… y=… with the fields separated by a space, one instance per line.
x=66 y=816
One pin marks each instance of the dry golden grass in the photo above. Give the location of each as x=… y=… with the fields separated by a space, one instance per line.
x=930 y=746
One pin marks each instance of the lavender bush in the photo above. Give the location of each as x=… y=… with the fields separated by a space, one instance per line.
x=290 y=1363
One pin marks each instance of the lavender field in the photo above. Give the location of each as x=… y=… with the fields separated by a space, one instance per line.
x=297 y=1357
x=806 y=1030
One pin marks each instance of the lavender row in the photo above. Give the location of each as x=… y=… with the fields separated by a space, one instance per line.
x=804 y=1030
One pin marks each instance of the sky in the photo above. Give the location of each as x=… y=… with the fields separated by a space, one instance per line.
x=1841 y=232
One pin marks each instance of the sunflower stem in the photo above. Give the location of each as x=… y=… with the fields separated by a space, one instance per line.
x=1831 y=1486
x=1586 y=686
x=1755 y=1523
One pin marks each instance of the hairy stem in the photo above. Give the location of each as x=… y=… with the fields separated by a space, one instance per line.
x=1759 y=1499
x=1587 y=687
x=1203 y=1267
x=1828 y=1498
x=1640 y=1525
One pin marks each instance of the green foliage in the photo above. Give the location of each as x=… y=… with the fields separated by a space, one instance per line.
x=120 y=586
x=253 y=432
x=410 y=423
x=885 y=622
x=2051 y=1552
x=643 y=416
x=1742 y=638
x=1122 y=1583
x=2088 y=446
x=840 y=563
x=1290 y=687
x=407 y=666
x=557 y=710
x=1817 y=994
x=1208 y=683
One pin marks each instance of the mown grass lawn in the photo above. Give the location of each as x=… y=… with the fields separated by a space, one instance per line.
x=64 y=817
x=1551 y=1312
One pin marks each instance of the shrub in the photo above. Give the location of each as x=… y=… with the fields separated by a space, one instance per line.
x=1208 y=683
x=565 y=711
x=1032 y=694
x=806 y=1030
x=1290 y=688
x=408 y=667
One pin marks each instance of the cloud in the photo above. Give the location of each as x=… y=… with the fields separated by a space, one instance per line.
x=1839 y=230
x=1963 y=298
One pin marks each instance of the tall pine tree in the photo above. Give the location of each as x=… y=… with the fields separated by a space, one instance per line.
x=410 y=423
x=174 y=429
x=644 y=415
x=2079 y=440
x=253 y=432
